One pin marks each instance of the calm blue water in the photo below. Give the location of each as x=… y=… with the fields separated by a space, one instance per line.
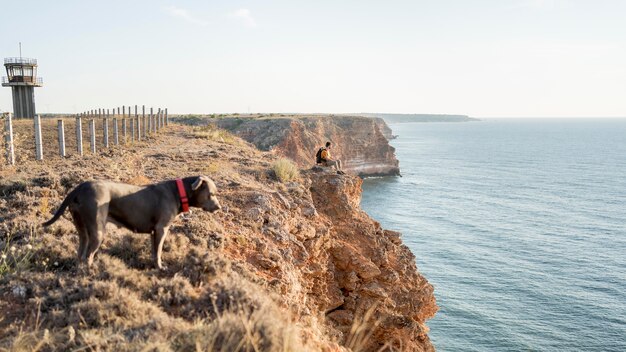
x=520 y=225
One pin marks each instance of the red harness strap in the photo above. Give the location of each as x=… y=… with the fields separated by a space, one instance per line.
x=183 y=195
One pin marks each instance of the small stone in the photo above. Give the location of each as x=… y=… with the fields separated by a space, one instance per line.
x=342 y=317
x=309 y=212
x=393 y=236
x=374 y=290
x=19 y=291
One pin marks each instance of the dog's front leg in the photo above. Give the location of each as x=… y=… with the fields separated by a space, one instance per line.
x=159 y=234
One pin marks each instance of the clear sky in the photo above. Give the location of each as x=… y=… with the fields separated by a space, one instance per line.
x=484 y=58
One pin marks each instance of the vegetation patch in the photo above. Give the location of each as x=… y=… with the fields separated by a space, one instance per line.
x=213 y=133
x=285 y=170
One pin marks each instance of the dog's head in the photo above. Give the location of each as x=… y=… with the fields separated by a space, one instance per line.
x=205 y=194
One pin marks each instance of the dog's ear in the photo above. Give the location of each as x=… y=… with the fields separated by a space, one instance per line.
x=197 y=183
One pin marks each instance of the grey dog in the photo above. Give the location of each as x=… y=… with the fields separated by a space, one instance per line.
x=142 y=209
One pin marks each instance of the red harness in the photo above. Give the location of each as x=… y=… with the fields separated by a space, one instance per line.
x=183 y=195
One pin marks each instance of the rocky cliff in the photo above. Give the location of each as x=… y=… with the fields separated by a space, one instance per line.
x=294 y=266
x=360 y=142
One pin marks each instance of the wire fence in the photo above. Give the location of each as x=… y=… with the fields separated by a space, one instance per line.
x=92 y=131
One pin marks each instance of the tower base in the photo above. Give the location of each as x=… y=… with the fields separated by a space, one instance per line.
x=24 y=102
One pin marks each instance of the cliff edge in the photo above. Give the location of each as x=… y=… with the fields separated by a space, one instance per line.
x=294 y=266
x=361 y=143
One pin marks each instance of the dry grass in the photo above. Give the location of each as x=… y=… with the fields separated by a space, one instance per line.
x=242 y=331
x=15 y=256
x=285 y=170
x=213 y=133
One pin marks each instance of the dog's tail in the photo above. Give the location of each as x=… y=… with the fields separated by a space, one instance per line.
x=66 y=202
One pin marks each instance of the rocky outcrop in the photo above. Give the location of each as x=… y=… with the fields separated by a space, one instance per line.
x=373 y=272
x=361 y=143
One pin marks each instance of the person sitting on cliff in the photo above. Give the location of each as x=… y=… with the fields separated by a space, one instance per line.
x=323 y=157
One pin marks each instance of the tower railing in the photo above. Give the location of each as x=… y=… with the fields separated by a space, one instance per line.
x=20 y=60
x=38 y=80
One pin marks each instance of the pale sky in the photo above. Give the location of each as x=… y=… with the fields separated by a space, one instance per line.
x=483 y=58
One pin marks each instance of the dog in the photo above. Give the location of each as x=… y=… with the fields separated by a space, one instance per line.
x=141 y=209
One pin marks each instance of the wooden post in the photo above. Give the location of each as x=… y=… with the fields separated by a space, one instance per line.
x=167 y=120
x=158 y=120
x=9 y=140
x=105 y=123
x=116 y=136
x=118 y=110
x=61 y=132
x=38 y=146
x=79 y=136
x=92 y=134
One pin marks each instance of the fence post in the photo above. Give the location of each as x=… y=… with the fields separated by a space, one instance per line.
x=92 y=135
x=124 y=129
x=9 y=140
x=116 y=136
x=138 y=123
x=105 y=122
x=158 y=122
x=38 y=146
x=79 y=135
x=167 y=120
x=143 y=120
x=132 y=128
x=61 y=132
x=150 y=120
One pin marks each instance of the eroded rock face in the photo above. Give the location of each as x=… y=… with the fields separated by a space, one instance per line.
x=360 y=142
x=375 y=273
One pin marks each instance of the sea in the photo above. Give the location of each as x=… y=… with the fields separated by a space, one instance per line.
x=520 y=226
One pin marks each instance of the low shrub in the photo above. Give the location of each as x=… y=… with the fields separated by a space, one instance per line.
x=285 y=170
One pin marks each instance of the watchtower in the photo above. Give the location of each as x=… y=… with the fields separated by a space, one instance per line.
x=22 y=78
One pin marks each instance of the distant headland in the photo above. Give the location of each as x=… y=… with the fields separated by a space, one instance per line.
x=404 y=118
